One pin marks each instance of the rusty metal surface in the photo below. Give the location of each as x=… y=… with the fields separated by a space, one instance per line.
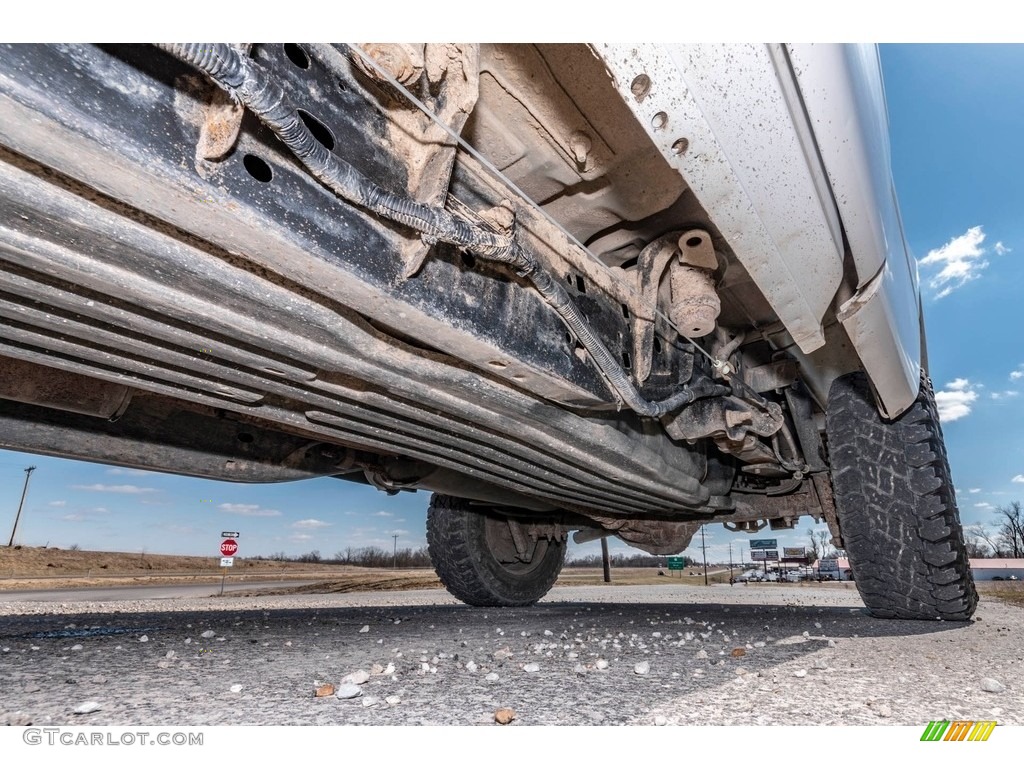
x=27 y=382
x=446 y=77
x=220 y=128
x=695 y=304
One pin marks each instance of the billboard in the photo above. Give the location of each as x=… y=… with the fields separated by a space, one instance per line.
x=764 y=554
x=764 y=544
x=798 y=553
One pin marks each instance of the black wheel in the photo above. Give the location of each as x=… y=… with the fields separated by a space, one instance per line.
x=896 y=506
x=477 y=561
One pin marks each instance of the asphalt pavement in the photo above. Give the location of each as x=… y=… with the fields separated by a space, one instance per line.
x=609 y=655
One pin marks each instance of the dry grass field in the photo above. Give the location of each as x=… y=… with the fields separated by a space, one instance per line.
x=50 y=568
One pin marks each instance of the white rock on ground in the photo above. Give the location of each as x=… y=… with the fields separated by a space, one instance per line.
x=236 y=688
x=370 y=701
x=800 y=673
x=601 y=664
x=471 y=666
x=389 y=669
x=531 y=667
x=642 y=668
x=358 y=677
x=492 y=677
x=991 y=685
x=702 y=654
x=348 y=691
x=660 y=720
x=144 y=639
x=87 y=707
x=208 y=634
x=365 y=629
x=393 y=700
x=76 y=647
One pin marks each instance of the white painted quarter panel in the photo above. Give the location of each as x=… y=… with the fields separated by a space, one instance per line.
x=751 y=163
x=845 y=101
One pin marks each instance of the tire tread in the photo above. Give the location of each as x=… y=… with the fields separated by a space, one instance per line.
x=896 y=505
x=457 y=553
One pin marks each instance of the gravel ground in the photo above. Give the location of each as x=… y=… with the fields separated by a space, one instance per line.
x=666 y=654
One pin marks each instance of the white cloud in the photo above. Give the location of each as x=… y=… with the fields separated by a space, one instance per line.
x=58 y=503
x=132 y=472
x=113 y=488
x=382 y=513
x=1017 y=374
x=974 y=490
x=73 y=518
x=983 y=505
x=300 y=537
x=310 y=523
x=248 y=510
x=1018 y=479
x=954 y=402
x=1006 y=394
x=958 y=262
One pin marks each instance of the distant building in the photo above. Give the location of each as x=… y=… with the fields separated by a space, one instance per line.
x=836 y=568
x=996 y=569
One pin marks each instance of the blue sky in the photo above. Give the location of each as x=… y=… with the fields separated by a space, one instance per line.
x=956 y=118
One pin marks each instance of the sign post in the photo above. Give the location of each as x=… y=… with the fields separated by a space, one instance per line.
x=228 y=550
x=763 y=545
x=676 y=564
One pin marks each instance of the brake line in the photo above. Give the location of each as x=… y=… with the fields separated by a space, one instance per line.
x=249 y=84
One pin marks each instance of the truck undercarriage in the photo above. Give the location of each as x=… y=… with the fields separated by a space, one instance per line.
x=461 y=268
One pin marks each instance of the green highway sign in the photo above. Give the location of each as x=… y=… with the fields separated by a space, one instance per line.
x=675 y=563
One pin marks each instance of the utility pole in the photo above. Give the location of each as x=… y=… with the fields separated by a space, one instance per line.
x=605 y=561
x=394 y=556
x=705 y=551
x=24 y=491
x=730 y=562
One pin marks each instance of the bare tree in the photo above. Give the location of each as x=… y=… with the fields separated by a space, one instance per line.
x=976 y=542
x=821 y=542
x=1011 y=529
x=815 y=549
x=980 y=542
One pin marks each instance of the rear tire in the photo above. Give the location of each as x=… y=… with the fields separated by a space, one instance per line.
x=474 y=557
x=896 y=506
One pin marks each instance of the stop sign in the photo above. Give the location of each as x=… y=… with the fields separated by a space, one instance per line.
x=228 y=547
